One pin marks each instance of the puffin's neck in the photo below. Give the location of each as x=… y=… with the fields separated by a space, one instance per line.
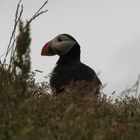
x=72 y=56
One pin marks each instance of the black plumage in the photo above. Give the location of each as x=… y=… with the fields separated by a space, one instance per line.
x=69 y=69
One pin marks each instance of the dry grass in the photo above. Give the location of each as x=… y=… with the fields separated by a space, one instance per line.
x=27 y=112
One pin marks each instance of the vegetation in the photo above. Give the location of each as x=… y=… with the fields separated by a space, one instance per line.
x=27 y=112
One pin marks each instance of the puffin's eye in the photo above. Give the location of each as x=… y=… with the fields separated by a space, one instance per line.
x=59 y=39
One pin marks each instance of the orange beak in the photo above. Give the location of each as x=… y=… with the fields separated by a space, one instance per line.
x=46 y=50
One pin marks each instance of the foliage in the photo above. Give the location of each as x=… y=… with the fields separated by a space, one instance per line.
x=28 y=112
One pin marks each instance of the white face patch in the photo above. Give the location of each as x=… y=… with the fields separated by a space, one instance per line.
x=64 y=38
x=62 y=44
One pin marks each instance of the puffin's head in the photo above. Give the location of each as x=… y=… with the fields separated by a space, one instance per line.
x=60 y=45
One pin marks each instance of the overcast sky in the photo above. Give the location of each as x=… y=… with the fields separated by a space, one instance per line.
x=107 y=30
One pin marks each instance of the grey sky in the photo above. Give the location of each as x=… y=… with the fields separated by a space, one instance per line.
x=107 y=30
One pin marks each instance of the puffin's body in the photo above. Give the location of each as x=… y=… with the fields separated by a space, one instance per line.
x=69 y=68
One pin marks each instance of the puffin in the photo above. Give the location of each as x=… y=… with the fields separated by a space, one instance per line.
x=69 y=69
